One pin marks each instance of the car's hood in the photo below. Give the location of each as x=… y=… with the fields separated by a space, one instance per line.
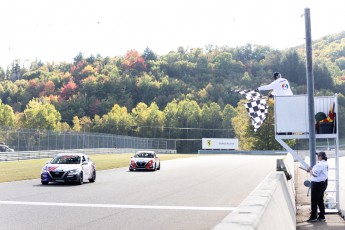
x=62 y=167
x=142 y=159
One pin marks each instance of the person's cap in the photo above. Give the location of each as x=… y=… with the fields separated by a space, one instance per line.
x=321 y=154
x=276 y=75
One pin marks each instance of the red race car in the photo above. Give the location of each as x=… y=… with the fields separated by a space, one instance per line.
x=145 y=160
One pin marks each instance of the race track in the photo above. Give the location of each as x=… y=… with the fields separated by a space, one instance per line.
x=190 y=193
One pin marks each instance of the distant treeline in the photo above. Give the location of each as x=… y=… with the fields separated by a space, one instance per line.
x=185 y=94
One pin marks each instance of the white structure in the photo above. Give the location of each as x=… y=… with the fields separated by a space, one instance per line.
x=219 y=143
x=291 y=122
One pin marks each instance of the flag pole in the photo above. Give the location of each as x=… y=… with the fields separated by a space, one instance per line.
x=310 y=88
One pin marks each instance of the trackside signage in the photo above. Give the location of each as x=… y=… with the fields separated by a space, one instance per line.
x=219 y=143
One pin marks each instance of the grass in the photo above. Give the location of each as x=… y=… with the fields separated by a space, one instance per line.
x=31 y=169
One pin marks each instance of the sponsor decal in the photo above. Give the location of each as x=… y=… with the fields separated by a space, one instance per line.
x=51 y=168
x=285 y=86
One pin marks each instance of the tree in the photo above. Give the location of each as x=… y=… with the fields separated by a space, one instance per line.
x=133 y=61
x=68 y=90
x=292 y=68
x=2 y=74
x=78 y=58
x=172 y=119
x=86 y=124
x=49 y=89
x=149 y=55
x=40 y=114
x=322 y=77
x=263 y=138
x=210 y=114
x=76 y=124
x=228 y=113
x=242 y=127
x=117 y=121
x=188 y=115
x=7 y=117
x=156 y=119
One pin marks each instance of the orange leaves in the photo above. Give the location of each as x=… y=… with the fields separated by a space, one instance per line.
x=133 y=60
x=68 y=90
x=49 y=89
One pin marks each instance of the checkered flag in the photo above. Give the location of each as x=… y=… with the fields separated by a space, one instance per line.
x=251 y=95
x=257 y=107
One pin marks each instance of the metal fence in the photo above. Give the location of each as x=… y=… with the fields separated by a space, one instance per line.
x=37 y=140
x=29 y=155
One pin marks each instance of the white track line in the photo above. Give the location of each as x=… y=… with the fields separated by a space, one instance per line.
x=119 y=206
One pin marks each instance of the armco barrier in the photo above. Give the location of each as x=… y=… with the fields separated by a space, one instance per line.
x=270 y=206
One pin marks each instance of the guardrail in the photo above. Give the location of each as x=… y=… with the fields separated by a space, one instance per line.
x=27 y=155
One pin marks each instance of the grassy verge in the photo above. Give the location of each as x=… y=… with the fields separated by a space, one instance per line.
x=31 y=169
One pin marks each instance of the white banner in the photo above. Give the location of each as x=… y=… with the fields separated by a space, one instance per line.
x=219 y=143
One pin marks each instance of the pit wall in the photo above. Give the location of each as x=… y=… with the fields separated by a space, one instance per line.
x=270 y=206
x=342 y=186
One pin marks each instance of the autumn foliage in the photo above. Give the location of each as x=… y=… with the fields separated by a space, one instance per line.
x=68 y=90
x=133 y=60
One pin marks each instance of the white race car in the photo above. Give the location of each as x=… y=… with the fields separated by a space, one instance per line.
x=145 y=160
x=69 y=167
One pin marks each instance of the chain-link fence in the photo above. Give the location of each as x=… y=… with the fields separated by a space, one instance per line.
x=36 y=140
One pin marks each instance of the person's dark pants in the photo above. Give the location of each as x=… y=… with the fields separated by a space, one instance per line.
x=317 y=193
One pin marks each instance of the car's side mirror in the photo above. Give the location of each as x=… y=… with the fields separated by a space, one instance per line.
x=84 y=163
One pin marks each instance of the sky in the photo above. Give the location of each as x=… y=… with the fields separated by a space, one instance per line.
x=57 y=30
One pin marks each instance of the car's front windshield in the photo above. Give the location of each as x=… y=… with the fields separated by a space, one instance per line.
x=144 y=155
x=66 y=159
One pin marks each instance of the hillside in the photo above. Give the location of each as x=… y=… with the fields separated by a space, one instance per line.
x=186 y=88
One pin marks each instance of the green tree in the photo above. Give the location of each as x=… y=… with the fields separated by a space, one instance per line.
x=86 y=124
x=7 y=117
x=172 y=120
x=322 y=77
x=209 y=116
x=292 y=68
x=149 y=55
x=242 y=127
x=188 y=115
x=150 y=120
x=228 y=113
x=264 y=137
x=40 y=114
x=117 y=121
x=2 y=74
x=76 y=124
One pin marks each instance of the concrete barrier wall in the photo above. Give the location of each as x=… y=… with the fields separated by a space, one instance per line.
x=270 y=206
x=342 y=186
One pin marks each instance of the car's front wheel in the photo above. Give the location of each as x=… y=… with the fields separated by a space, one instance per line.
x=44 y=182
x=81 y=179
x=159 y=166
x=93 y=178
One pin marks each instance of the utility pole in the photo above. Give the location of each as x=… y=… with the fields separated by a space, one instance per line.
x=310 y=88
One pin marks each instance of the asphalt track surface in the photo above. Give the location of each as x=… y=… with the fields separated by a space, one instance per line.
x=190 y=193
